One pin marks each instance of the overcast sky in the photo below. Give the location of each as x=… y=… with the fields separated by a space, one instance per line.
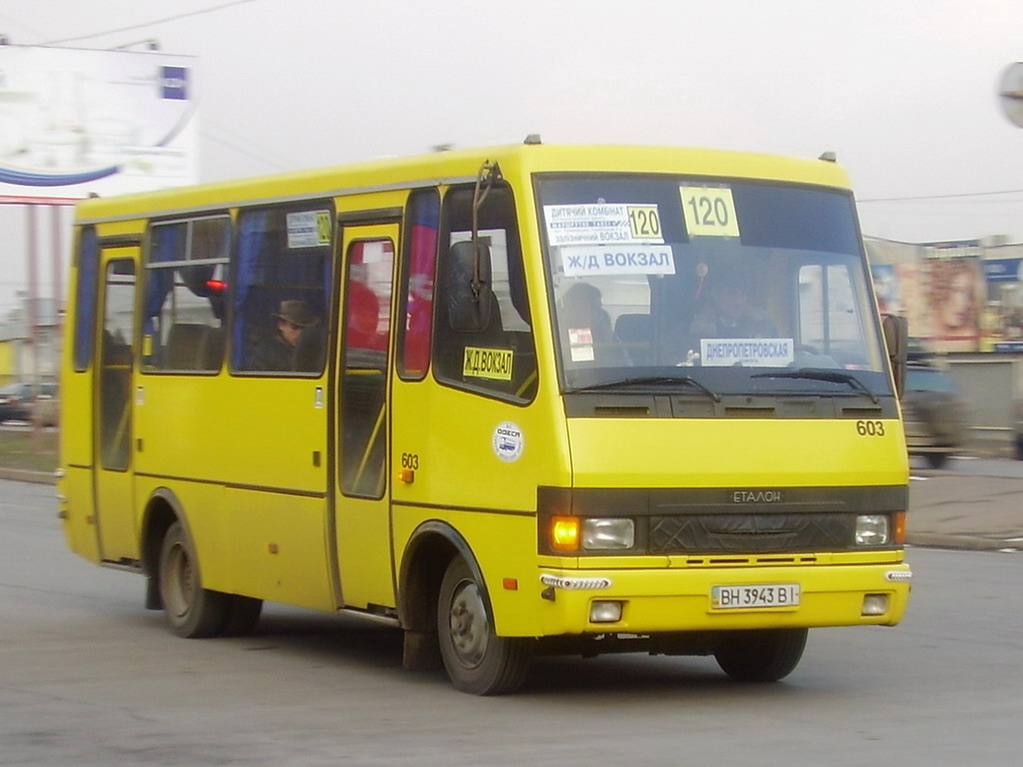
x=904 y=91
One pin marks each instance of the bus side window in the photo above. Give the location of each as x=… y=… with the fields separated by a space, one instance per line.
x=184 y=302
x=499 y=359
x=418 y=266
x=85 y=297
x=280 y=277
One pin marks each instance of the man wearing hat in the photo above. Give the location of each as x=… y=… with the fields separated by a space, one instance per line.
x=278 y=352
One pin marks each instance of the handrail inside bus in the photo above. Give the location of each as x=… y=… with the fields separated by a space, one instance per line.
x=521 y=391
x=369 y=445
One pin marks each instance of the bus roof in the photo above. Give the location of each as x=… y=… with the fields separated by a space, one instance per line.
x=461 y=166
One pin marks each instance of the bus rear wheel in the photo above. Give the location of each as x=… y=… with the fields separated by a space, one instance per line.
x=762 y=655
x=477 y=660
x=191 y=610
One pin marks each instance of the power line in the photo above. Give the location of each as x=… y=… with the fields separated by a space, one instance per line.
x=148 y=23
x=268 y=156
x=940 y=196
x=242 y=150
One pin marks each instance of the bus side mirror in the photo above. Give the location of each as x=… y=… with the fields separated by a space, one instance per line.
x=896 y=339
x=469 y=299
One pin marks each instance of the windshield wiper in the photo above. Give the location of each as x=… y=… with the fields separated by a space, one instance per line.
x=661 y=380
x=817 y=374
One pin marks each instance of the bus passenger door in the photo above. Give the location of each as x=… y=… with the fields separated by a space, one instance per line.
x=362 y=503
x=113 y=384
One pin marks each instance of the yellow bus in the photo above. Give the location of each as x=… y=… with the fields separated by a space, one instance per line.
x=522 y=401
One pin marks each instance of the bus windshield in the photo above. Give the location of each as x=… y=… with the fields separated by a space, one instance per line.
x=733 y=287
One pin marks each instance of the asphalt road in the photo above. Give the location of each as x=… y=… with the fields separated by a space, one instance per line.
x=87 y=677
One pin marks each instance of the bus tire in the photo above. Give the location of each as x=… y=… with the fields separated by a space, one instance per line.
x=242 y=616
x=477 y=660
x=762 y=655
x=191 y=611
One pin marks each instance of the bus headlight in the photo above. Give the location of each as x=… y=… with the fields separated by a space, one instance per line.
x=605 y=533
x=872 y=530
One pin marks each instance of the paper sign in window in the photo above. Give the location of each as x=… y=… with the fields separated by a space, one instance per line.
x=495 y=364
x=709 y=211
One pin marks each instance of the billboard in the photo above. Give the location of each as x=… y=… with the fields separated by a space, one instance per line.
x=75 y=122
x=963 y=303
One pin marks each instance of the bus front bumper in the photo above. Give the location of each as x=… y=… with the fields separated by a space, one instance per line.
x=721 y=598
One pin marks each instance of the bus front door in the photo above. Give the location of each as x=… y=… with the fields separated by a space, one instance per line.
x=113 y=402
x=362 y=502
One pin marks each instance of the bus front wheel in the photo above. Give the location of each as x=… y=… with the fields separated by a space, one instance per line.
x=191 y=610
x=477 y=660
x=762 y=655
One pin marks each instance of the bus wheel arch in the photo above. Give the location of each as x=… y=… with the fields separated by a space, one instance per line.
x=445 y=609
x=162 y=511
x=425 y=559
x=428 y=553
x=477 y=660
x=171 y=565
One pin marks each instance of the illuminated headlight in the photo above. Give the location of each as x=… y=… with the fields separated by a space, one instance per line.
x=872 y=530
x=601 y=534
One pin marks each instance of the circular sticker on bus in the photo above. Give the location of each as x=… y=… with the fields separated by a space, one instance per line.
x=508 y=441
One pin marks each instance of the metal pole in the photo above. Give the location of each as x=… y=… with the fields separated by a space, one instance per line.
x=57 y=334
x=31 y=313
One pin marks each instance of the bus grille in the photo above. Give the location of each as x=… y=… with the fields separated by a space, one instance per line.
x=751 y=532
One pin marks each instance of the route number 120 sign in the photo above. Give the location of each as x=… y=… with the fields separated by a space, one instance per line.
x=709 y=212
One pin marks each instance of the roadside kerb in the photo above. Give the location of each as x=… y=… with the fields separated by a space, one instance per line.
x=24 y=475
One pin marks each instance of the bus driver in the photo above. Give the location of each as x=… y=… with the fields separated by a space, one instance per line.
x=729 y=312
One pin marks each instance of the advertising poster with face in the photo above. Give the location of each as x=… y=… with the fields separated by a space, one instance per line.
x=955 y=296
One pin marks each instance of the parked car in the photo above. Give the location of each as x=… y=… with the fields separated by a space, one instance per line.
x=934 y=414
x=23 y=402
x=14 y=402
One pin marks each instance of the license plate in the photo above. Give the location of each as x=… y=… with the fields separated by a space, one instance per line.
x=754 y=596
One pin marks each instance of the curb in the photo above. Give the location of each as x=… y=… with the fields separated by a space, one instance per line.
x=25 y=475
x=961 y=542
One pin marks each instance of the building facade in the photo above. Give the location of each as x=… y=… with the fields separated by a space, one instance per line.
x=30 y=351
